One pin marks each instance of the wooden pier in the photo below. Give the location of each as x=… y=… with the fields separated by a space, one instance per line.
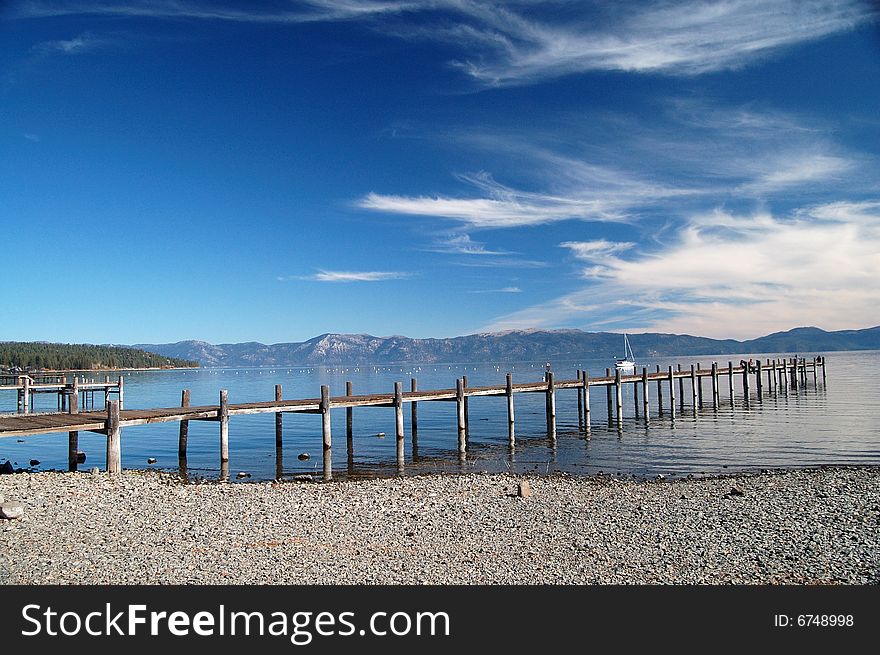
x=780 y=374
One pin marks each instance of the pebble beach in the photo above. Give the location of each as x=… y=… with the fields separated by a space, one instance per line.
x=801 y=527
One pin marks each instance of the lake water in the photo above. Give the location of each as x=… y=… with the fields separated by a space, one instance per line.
x=833 y=423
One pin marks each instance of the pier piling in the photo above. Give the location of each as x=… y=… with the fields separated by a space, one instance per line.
x=184 y=427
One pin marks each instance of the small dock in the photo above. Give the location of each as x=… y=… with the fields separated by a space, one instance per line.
x=752 y=380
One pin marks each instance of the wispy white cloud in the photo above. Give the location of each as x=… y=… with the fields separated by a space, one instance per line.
x=304 y=11
x=581 y=197
x=32 y=137
x=501 y=290
x=76 y=45
x=462 y=244
x=818 y=266
x=348 y=276
x=523 y=42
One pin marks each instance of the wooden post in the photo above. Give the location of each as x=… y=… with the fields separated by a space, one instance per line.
x=223 y=417
x=73 y=436
x=398 y=419
x=804 y=371
x=635 y=398
x=618 y=397
x=184 y=427
x=414 y=416
x=26 y=394
x=759 y=382
x=775 y=373
x=580 y=399
x=349 y=415
x=510 y=419
x=680 y=389
x=121 y=387
x=279 y=421
x=745 y=372
x=730 y=381
x=671 y=393
x=659 y=393
x=699 y=385
x=694 y=388
x=551 y=405
x=715 y=394
x=459 y=403
x=645 y=404
x=467 y=413
x=769 y=378
x=585 y=378
x=823 y=369
x=794 y=373
x=114 y=450
x=326 y=434
x=608 y=393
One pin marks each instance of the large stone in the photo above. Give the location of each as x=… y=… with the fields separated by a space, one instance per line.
x=302 y=457
x=6 y=467
x=11 y=509
x=80 y=457
x=524 y=490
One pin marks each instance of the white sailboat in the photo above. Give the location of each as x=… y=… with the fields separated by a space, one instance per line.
x=628 y=363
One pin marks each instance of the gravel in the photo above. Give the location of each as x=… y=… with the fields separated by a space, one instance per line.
x=819 y=526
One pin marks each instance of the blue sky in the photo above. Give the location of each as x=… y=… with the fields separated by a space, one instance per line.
x=272 y=171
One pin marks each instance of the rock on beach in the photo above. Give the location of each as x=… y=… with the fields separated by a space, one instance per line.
x=798 y=527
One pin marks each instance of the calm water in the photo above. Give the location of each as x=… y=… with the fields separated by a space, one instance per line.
x=834 y=424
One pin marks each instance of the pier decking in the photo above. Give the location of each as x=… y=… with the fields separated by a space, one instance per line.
x=779 y=374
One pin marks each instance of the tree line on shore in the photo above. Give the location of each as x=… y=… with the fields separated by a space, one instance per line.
x=25 y=355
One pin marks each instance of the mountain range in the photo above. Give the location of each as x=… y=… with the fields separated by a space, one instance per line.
x=514 y=345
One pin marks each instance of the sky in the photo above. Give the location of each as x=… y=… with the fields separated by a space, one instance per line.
x=271 y=171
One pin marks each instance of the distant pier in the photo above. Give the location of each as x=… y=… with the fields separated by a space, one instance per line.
x=668 y=387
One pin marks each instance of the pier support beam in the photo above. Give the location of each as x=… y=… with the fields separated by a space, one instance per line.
x=326 y=434
x=183 y=436
x=349 y=415
x=585 y=377
x=551 y=406
x=467 y=409
x=26 y=395
x=659 y=393
x=699 y=385
x=646 y=407
x=414 y=411
x=580 y=398
x=279 y=421
x=671 y=393
x=120 y=387
x=815 y=381
x=114 y=449
x=746 y=394
x=459 y=405
x=398 y=420
x=511 y=435
x=680 y=389
x=73 y=436
x=635 y=388
x=694 y=388
x=609 y=401
x=223 y=417
x=823 y=369
x=730 y=382
x=759 y=382
x=618 y=397
x=715 y=394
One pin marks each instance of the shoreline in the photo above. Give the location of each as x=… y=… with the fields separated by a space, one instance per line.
x=802 y=526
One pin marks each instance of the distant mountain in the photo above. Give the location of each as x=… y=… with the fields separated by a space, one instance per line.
x=514 y=345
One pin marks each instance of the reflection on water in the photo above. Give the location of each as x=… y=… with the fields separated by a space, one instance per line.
x=812 y=425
